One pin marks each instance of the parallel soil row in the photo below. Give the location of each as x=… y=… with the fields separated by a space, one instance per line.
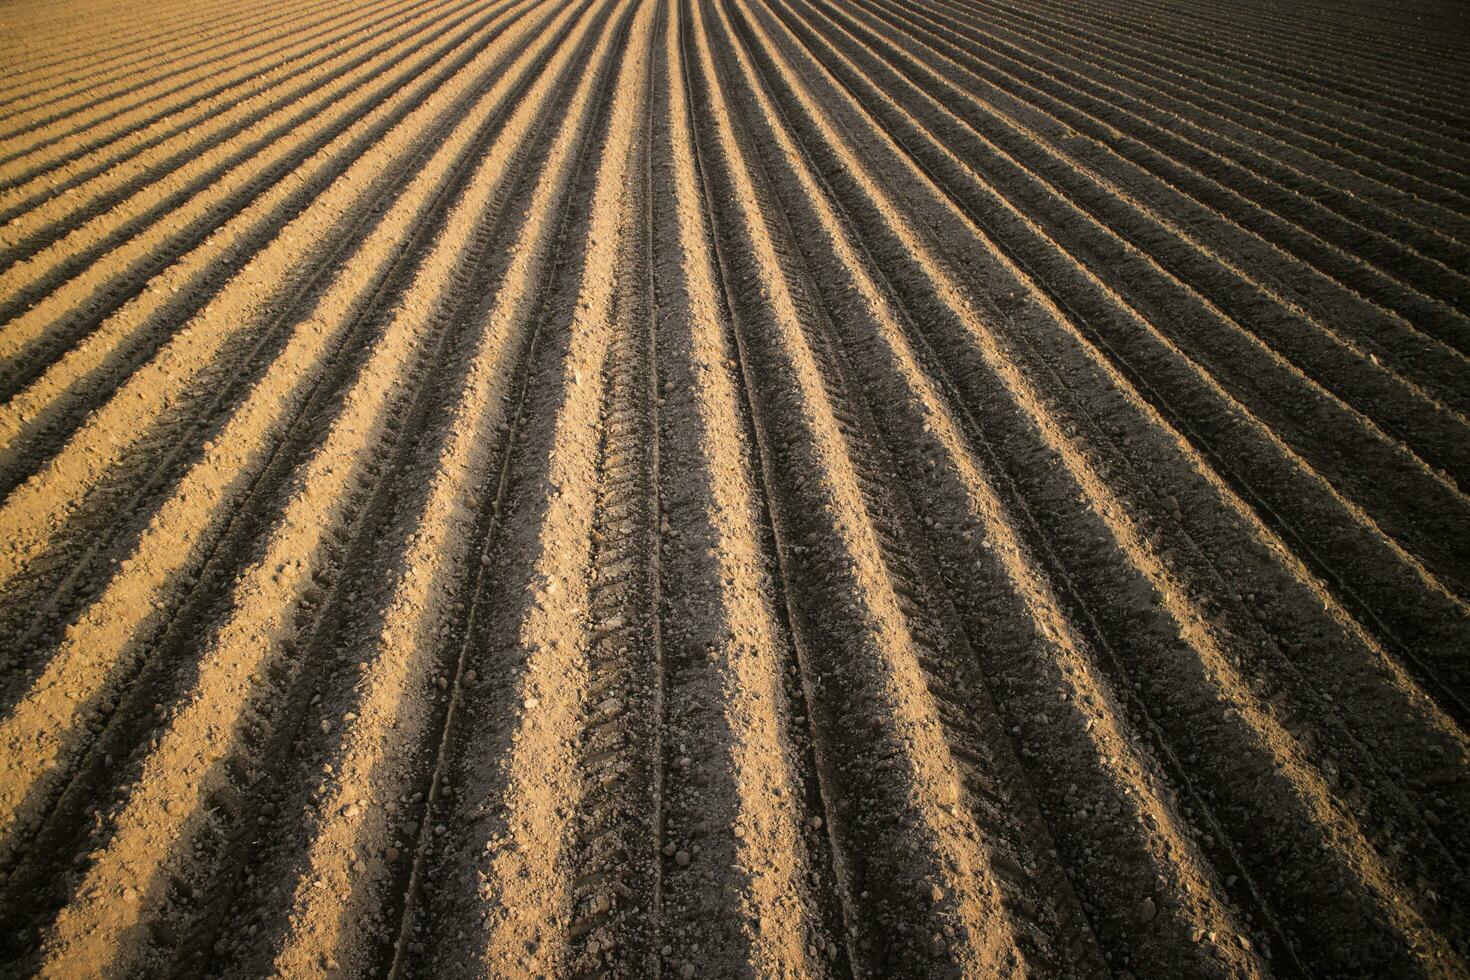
x=734 y=487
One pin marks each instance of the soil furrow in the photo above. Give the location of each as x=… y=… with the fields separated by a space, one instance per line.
x=111 y=258
x=135 y=321
x=67 y=313
x=618 y=891
x=901 y=639
x=315 y=923
x=360 y=684
x=1211 y=649
x=255 y=293
x=791 y=488
x=119 y=46
x=188 y=764
x=1276 y=482
x=1249 y=134
x=541 y=550
x=50 y=131
x=71 y=577
x=53 y=181
x=1353 y=35
x=1190 y=274
x=743 y=791
x=1442 y=624
x=103 y=47
x=401 y=668
x=1358 y=92
x=1346 y=134
x=37 y=218
x=1126 y=780
x=1201 y=171
x=990 y=194
x=111 y=634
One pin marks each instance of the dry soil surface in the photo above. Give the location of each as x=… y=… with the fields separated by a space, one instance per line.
x=734 y=487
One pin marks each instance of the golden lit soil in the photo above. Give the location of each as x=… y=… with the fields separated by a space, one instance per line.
x=704 y=488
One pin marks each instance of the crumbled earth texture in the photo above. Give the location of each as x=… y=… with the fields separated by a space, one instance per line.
x=734 y=488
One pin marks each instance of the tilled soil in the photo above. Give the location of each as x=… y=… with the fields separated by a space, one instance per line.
x=734 y=487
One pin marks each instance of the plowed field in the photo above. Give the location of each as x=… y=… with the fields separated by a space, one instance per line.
x=708 y=488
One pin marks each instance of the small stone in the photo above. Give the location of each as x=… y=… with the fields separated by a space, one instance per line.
x=391 y=855
x=686 y=971
x=1146 y=910
x=815 y=823
x=681 y=858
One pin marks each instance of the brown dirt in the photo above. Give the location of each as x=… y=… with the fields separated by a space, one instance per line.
x=734 y=487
